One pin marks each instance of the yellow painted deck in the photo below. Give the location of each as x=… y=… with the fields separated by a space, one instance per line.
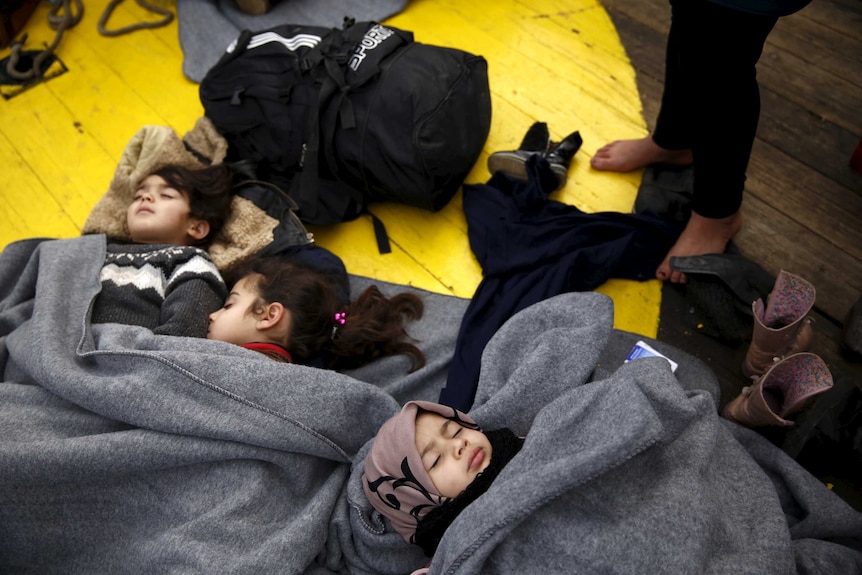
x=558 y=61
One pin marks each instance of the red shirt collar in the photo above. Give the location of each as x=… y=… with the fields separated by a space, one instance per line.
x=273 y=347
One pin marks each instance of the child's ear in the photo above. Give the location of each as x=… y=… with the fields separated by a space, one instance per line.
x=272 y=316
x=198 y=229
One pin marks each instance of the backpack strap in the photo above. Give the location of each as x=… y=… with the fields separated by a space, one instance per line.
x=380 y=234
x=368 y=44
x=309 y=178
x=334 y=104
x=374 y=43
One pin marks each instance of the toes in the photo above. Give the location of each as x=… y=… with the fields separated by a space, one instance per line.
x=663 y=272
x=606 y=149
x=677 y=278
x=666 y=274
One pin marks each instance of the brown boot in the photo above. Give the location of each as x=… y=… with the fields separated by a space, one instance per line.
x=782 y=328
x=781 y=392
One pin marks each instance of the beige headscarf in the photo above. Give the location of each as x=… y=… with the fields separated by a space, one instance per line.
x=395 y=481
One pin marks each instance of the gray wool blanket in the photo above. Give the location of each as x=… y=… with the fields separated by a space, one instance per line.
x=126 y=452
x=624 y=469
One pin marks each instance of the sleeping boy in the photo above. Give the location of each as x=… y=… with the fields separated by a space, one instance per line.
x=164 y=279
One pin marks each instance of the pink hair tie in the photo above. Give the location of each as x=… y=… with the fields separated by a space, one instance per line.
x=340 y=319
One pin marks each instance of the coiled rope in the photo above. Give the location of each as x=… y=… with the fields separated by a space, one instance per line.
x=61 y=18
x=57 y=21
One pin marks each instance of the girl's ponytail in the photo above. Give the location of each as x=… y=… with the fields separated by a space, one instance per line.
x=372 y=326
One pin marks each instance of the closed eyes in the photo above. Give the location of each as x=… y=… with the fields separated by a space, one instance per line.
x=454 y=435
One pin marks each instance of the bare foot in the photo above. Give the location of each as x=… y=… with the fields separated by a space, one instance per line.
x=701 y=236
x=628 y=155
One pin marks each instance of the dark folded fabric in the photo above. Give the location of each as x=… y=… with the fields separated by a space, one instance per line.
x=532 y=248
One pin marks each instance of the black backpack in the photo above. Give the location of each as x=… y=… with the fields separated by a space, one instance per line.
x=342 y=118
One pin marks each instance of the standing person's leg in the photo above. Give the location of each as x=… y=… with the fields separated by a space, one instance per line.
x=671 y=142
x=719 y=52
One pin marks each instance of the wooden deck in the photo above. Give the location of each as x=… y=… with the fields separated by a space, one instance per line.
x=61 y=140
x=590 y=65
x=803 y=202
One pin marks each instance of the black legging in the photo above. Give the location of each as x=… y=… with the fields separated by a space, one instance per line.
x=711 y=101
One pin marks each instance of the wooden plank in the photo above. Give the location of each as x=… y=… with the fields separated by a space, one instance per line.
x=354 y=242
x=634 y=304
x=830 y=89
x=829 y=97
x=775 y=241
x=651 y=92
x=584 y=82
x=641 y=40
x=148 y=63
x=27 y=208
x=678 y=329
x=72 y=129
x=833 y=214
x=648 y=62
x=801 y=135
x=55 y=149
x=653 y=14
x=819 y=45
x=841 y=17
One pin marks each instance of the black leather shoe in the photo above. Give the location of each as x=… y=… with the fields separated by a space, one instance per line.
x=560 y=156
x=536 y=141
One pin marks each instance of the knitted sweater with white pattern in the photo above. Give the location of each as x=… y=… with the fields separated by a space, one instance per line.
x=169 y=289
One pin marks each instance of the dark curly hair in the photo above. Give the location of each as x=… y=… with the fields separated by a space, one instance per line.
x=208 y=190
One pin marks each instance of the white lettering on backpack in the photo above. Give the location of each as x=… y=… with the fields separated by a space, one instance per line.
x=373 y=38
x=293 y=43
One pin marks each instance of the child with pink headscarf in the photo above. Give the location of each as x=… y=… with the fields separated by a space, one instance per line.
x=427 y=464
x=625 y=468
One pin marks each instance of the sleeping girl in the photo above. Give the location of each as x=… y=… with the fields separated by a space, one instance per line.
x=294 y=312
x=625 y=475
x=427 y=464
